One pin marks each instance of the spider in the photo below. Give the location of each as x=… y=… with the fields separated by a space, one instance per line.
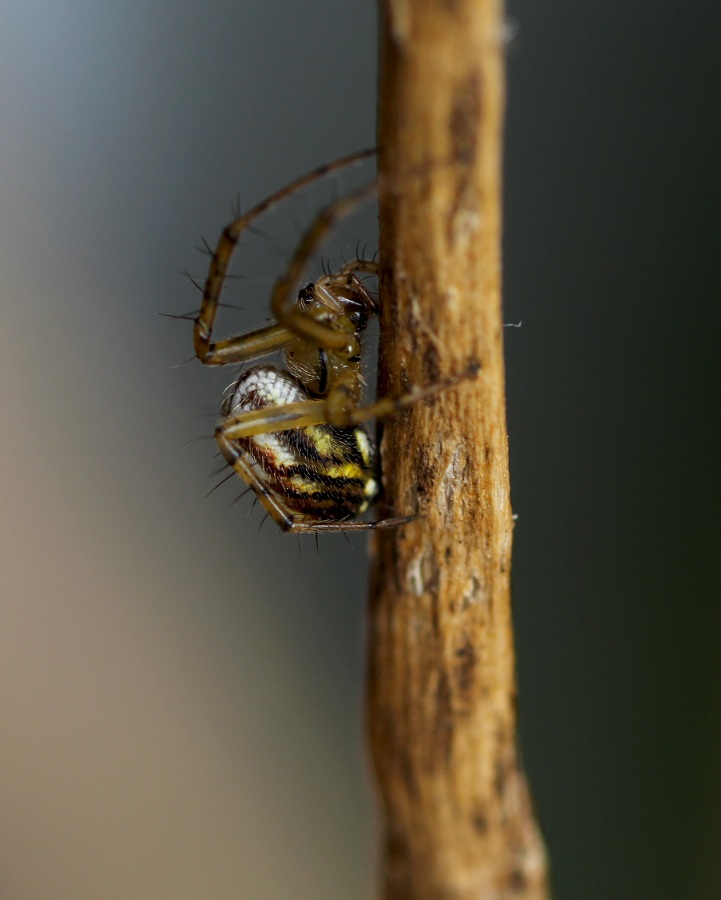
x=297 y=435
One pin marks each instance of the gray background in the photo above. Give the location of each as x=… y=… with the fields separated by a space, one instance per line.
x=180 y=695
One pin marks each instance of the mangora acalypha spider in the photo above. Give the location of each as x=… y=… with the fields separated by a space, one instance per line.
x=297 y=435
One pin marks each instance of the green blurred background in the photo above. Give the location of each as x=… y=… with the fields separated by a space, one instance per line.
x=181 y=694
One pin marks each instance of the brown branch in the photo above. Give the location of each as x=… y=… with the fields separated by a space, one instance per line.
x=441 y=704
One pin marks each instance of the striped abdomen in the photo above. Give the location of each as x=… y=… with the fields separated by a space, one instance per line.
x=321 y=472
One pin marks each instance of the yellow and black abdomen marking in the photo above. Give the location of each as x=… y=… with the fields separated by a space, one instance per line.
x=321 y=472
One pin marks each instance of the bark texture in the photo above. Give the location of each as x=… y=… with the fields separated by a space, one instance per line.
x=441 y=705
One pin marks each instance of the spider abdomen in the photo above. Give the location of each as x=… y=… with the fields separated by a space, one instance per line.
x=319 y=472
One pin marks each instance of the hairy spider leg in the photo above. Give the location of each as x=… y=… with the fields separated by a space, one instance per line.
x=283 y=298
x=369 y=266
x=265 y=340
x=331 y=410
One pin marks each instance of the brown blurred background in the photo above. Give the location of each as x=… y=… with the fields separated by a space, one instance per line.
x=180 y=694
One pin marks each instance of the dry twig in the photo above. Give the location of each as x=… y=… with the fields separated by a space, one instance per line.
x=441 y=704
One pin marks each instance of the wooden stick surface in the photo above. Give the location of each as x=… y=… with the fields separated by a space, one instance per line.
x=441 y=705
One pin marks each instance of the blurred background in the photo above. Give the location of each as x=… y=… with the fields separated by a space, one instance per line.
x=181 y=694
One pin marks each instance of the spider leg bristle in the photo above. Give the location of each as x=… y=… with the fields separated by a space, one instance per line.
x=227 y=478
x=183 y=363
x=241 y=495
x=348 y=540
x=300 y=549
x=253 y=229
x=187 y=317
x=263 y=521
x=202 y=437
x=205 y=249
x=317 y=547
x=281 y=252
x=192 y=280
x=232 y=305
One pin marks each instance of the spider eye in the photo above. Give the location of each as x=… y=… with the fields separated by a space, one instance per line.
x=305 y=294
x=357 y=314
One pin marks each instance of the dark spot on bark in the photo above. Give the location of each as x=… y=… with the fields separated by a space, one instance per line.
x=479 y=821
x=444 y=721
x=394 y=315
x=499 y=779
x=424 y=471
x=403 y=414
x=431 y=364
x=435 y=615
x=464 y=120
x=487 y=453
x=408 y=776
x=466 y=656
x=517 y=881
x=448 y=552
x=396 y=844
x=464 y=130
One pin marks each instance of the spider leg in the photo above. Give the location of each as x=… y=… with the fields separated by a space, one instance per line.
x=360 y=265
x=242 y=467
x=394 y=522
x=246 y=347
x=268 y=419
x=283 y=302
x=337 y=408
x=207 y=351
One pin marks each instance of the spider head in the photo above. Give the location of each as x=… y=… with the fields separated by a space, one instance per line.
x=334 y=298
